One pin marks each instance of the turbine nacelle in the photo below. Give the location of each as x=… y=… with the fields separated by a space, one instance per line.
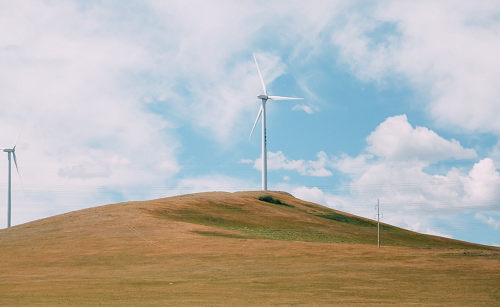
x=9 y=150
x=266 y=97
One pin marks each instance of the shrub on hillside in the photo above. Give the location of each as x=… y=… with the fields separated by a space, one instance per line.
x=272 y=200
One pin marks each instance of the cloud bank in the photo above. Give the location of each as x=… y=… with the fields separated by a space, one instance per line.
x=444 y=49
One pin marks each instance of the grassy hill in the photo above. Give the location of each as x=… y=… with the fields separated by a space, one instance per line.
x=280 y=216
x=236 y=249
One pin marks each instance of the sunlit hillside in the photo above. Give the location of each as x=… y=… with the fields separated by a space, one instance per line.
x=236 y=249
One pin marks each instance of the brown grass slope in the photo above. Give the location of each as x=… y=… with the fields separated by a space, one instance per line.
x=232 y=249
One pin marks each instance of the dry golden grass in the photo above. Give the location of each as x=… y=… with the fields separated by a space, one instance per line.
x=223 y=249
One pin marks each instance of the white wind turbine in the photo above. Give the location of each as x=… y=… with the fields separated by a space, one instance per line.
x=12 y=152
x=262 y=111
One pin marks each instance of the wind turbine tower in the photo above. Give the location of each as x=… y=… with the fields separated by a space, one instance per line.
x=264 y=97
x=11 y=154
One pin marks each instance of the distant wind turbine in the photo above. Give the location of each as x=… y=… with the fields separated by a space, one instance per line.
x=262 y=111
x=13 y=153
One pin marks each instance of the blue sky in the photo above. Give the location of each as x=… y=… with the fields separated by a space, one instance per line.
x=135 y=100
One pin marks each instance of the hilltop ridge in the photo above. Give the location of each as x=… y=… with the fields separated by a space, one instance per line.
x=237 y=215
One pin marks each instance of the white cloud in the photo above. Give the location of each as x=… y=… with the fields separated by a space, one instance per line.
x=89 y=74
x=246 y=161
x=393 y=170
x=494 y=153
x=314 y=195
x=117 y=160
x=430 y=231
x=395 y=139
x=85 y=171
x=484 y=181
x=309 y=109
x=221 y=102
x=211 y=183
x=317 y=196
x=278 y=160
x=87 y=130
x=354 y=166
x=408 y=186
x=286 y=178
x=444 y=48
x=213 y=81
x=488 y=220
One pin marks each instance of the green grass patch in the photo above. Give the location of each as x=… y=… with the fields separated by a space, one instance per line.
x=258 y=227
x=295 y=234
x=351 y=220
x=326 y=226
x=220 y=234
x=272 y=200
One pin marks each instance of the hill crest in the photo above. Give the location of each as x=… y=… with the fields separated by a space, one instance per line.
x=271 y=215
x=232 y=249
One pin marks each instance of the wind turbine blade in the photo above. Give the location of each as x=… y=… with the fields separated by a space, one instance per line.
x=260 y=75
x=15 y=143
x=256 y=120
x=15 y=163
x=283 y=98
